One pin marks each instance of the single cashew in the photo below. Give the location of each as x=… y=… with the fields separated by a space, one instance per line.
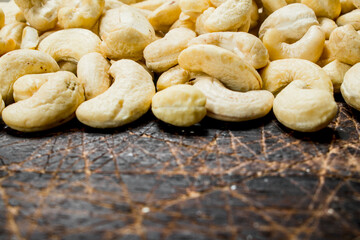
x=162 y=54
x=200 y=27
x=30 y=38
x=230 y=15
x=25 y=86
x=128 y=98
x=293 y=21
x=20 y=62
x=80 y=13
x=350 y=88
x=224 y=104
x=41 y=14
x=149 y=4
x=180 y=105
x=324 y=8
x=53 y=104
x=70 y=44
x=352 y=18
x=336 y=71
x=164 y=16
x=278 y=74
x=174 y=76
x=327 y=25
x=184 y=21
x=12 y=12
x=229 y=68
x=346 y=6
x=304 y=109
x=327 y=55
x=345 y=44
x=309 y=47
x=125 y=33
x=93 y=72
x=273 y=5
x=13 y=32
x=254 y=16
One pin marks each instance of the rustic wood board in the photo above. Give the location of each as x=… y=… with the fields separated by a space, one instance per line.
x=253 y=180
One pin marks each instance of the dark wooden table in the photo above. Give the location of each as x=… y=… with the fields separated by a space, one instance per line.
x=246 y=181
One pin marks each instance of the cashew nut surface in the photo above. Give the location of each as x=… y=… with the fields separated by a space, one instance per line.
x=164 y=16
x=53 y=104
x=350 y=88
x=174 y=76
x=30 y=38
x=127 y=99
x=352 y=18
x=336 y=71
x=324 y=8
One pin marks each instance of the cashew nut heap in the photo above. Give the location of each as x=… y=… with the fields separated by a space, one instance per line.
x=231 y=60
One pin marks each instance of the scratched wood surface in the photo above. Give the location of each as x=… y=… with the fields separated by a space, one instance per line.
x=216 y=180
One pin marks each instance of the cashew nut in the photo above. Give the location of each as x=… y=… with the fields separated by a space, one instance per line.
x=245 y=45
x=125 y=33
x=164 y=16
x=12 y=12
x=70 y=44
x=149 y=4
x=273 y=5
x=30 y=38
x=200 y=27
x=12 y=32
x=41 y=14
x=128 y=98
x=350 y=88
x=53 y=104
x=25 y=86
x=229 y=68
x=111 y=4
x=184 y=21
x=345 y=44
x=92 y=71
x=327 y=55
x=224 y=104
x=352 y=18
x=324 y=8
x=309 y=47
x=20 y=62
x=174 y=76
x=162 y=54
x=327 y=25
x=336 y=71
x=346 y=6
x=180 y=105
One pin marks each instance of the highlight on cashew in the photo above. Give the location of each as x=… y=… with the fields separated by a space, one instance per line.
x=174 y=76
x=179 y=105
x=224 y=104
x=350 y=88
x=127 y=99
x=30 y=38
x=235 y=73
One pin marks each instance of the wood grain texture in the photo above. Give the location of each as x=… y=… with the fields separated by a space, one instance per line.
x=253 y=180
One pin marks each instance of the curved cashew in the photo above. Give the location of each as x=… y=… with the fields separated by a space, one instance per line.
x=125 y=33
x=92 y=71
x=25 y=86
x=229 y=68
x=309 y=47
x=352 y=18
x=53 y=104
x=174 y=76
x=278 y=74
x=180 y=105
x=12 y=32
x=12 y=12
x=245 y=45
x=293 y=21
x=30 y=38
x=20 y=62
x=80 y=13
x=164 y=16
x=224 y=104
x=350 y=88
x=128 y=98
x=232 y=14
x=200 y=27
x=344 y=42
x=324 y=8
x=336 y=71
x=149 y=4
x=70 y=44
x=162 y=54
x=327 y=25
x=41 y=14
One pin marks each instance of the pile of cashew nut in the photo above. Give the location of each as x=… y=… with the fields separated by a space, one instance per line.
x=107 y=62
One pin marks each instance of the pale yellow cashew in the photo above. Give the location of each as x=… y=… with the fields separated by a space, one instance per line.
x=200 y=27
x=352 y=18
x=245 y=45
x=30 y=38
x=309 y=47
x=229 y=68
x=350 y=88
x=93 y=72
x=128 y=98
x=324 y=8
x=174 y=76
x=149 y=4
x=345 y=44
x=327 y=25
x=194 y=8
x=162 y=54
x=224 y=104
x=52 y=105
x=164 y=16
x=20 y=62
x=293 y=21
x=41 y=14
x=273 y=5
x=70 y=44
x=80 y=13
x=180 y=105
x=336 y=71
x=327 y=55
x=25 y=86
x=12 y=12
x=12 y=32
x=184 y=21
x=346 y=6
x=69 y=66
x=125 y=33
